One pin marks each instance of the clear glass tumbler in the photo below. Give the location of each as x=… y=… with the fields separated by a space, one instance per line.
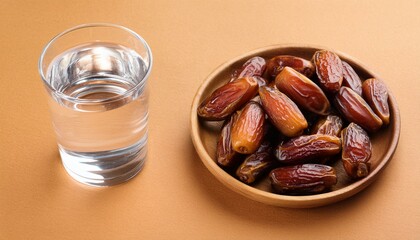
x=96 y=78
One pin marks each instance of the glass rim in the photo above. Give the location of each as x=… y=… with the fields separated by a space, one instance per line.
x=93 y=101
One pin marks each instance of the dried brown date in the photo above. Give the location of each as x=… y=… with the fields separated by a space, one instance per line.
x=276 y=64
x=303 y=179
x=308 y=148
x=329 y=70
x=302 y=91
x=253 y=67
x=256 y=164
x=355 y=109
x=330 y=125
x=283 y=112
x=248 y=130
x=225 y=155
x=227 y=99
x=351 y=79
x=357 y=150
x=375 y=93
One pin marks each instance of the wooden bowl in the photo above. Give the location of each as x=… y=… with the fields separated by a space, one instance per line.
x=205 y=134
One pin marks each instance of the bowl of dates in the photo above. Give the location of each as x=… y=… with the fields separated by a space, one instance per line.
x=295 y=126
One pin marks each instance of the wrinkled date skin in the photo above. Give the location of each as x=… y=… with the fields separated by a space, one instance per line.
x=248 y=130
x=375 y=93
x=357 y=150
x=227 y=99
x=303 y=179
x=330 y=125
x=329 y=70
x=308 y=148
x=225 y=155
x=253 y=67
x=283 y=112
x=261 y=81
x=351 y=79
x=302 y=91
x=355 y=109
x=276 y=64
x=256 y=164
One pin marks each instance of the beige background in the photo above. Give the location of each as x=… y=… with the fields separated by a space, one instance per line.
x=175 y=197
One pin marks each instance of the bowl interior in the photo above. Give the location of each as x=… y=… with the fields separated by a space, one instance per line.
x=205 y=135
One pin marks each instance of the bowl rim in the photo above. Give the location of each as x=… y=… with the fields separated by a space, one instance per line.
x=278 y=199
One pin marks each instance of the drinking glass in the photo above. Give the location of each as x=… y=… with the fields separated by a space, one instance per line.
x=96 y=79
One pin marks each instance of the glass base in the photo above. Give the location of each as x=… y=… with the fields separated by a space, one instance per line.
x=105 y=168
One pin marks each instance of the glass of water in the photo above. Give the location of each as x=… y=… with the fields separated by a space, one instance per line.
x=96 y=79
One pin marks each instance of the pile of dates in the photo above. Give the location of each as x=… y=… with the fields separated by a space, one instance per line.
x=291 y=118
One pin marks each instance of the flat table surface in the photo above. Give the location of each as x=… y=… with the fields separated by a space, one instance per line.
x=175 y=196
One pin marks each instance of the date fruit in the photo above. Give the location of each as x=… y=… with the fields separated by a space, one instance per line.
x=375 y=93
x=303 y=91
x=276 y=64
x=253 y=67
x=227 y=99
x=256 y=164
x=283 y=112
x=329 y=70
x=330 y=125
x=248 y=130
x=303 y=179
x=357 y=150
x=308 y=148
x=225 y=155
x=351 y=79
x=355 y=109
